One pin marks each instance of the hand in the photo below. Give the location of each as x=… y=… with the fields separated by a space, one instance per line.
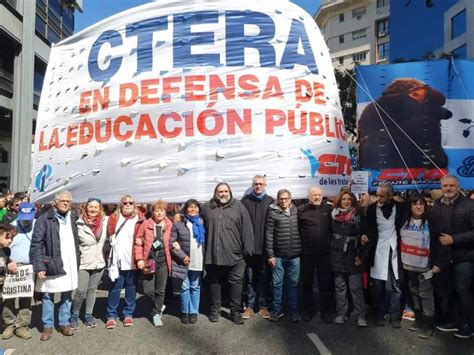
x=141 y=264
x=12 y=267
x=42 y=274
x=364 y=240
x=176 y=246
x=272 y=262
x=446 y=239
x=186 y=260
x=358 y=261
x=177 y=217
x=435 y=269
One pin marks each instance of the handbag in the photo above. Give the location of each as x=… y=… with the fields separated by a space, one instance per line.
x=150 y=267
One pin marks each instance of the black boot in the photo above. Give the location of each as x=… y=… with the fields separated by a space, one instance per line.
x=427 y=329
x=417 y=324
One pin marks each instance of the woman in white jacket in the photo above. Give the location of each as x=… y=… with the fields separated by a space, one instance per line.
x=92 y=230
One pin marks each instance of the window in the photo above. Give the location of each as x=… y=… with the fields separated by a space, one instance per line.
x=383 y=50
x=341 y=39
x=341 y=60
x=359 y=34
x=458 y=24
x=341 y=17
x=382 y=28
x=359 y=57
x=382 y=3
x=460 y=52
x=359 y=12
x=40 y=25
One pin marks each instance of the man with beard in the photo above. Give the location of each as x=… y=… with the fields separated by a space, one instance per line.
x=229 y=239
x=384 y=220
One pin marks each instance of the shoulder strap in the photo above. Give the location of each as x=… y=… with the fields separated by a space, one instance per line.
x=120 y=228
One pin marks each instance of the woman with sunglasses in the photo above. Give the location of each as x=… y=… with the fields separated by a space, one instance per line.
x=92 y=231
x=122 y=230
x=421 y=255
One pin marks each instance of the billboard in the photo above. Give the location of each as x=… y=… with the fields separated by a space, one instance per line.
x=416 y=123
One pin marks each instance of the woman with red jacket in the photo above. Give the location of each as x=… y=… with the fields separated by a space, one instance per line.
x=152 y=252
x=122 y=229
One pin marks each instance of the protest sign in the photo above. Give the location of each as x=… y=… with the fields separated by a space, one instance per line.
x=19 y=284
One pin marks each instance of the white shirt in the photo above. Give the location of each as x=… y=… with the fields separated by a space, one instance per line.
x=195 y=253
x=124 y=242
x=387 y=241
x=68 y=282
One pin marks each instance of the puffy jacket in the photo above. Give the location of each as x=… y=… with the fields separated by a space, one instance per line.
x=258 y=212
x=461 y=227
x=145 y=237
x=92 y=256
x=181 y=234
x=315 y=228
x=112 y=227
x=45 y=250
x=282 y=238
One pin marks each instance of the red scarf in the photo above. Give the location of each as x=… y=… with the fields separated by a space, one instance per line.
x=95 y=224
x=344 y=215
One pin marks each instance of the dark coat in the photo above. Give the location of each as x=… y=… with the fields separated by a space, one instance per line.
x=229 y=233
x=258 y=212
x=373 y=233
x=45 y=249
x=344 y=261
x=461 y=227
x=315 y=228
x=282 y=234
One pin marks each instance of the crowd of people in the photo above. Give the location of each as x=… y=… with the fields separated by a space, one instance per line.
x=376 y=253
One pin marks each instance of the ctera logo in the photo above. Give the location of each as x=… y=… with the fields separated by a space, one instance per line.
x=41 y=179
x=328 y=164
x=467 y=169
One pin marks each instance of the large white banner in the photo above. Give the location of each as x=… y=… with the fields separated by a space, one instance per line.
x=170 y=98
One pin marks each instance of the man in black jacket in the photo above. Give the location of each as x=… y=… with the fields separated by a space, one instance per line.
x=54 y=253
x=453 y=219
x=257 y=273
x=229 y=238
x=314 y=219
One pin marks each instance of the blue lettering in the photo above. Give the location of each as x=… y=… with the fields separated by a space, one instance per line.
x=144 y=31
x=184 y=39
x=237 y=41
x=96 y=73
x=291 y=55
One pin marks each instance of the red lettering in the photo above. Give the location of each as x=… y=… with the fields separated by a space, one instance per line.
x=164 y=132
x=247 y=83
x=148 y=92
x=218 y=122
x=274 y=118
x=145 y=127
x=233 y=119
x=119 y=135
x=192 y=83
x=128 y=94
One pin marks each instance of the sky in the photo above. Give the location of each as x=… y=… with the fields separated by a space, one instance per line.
x=96 y=10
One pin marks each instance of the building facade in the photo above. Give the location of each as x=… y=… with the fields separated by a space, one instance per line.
x=356 y=31
x=28 y=28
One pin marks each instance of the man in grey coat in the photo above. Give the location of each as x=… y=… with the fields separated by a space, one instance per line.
x=229 y=239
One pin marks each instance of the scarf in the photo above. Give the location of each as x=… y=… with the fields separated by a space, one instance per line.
x=95 y=224
x=198 y=229
x=259 y=197
x=343 y=214
x=387 y=209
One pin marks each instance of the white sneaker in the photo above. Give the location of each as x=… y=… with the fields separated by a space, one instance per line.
x=157 y=322
x=361 y=322
x=339 y=320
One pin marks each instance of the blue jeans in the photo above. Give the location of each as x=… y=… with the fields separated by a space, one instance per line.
x=257 y=282
x=286 y=273
x=48 y=309
x=127 y=279
x=392 y=285
x=191 y=292
x=464 y=274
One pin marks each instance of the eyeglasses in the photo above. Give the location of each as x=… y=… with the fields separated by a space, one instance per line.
x=128 y=203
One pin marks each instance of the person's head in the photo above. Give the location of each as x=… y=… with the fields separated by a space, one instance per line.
x=416 y=204
x=14 y=203
x=222 y=193
x=26 y=214
x=127 y=206
x=384 y=194
x=93 y=207
x=364 y=200
x=449 y=186
x=3 y=201
x=345 y=199
x=259 y=183
x=315 y=195
x=62 y=201
x=6 y=235
x=192 y=207
x=284 y=199
x=158 y=211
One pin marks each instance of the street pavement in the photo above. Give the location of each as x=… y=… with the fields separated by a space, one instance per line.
x=256 y=336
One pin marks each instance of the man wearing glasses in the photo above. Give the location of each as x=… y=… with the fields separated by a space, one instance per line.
x=54 y=253
x=12 y=210
x=256 y=295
